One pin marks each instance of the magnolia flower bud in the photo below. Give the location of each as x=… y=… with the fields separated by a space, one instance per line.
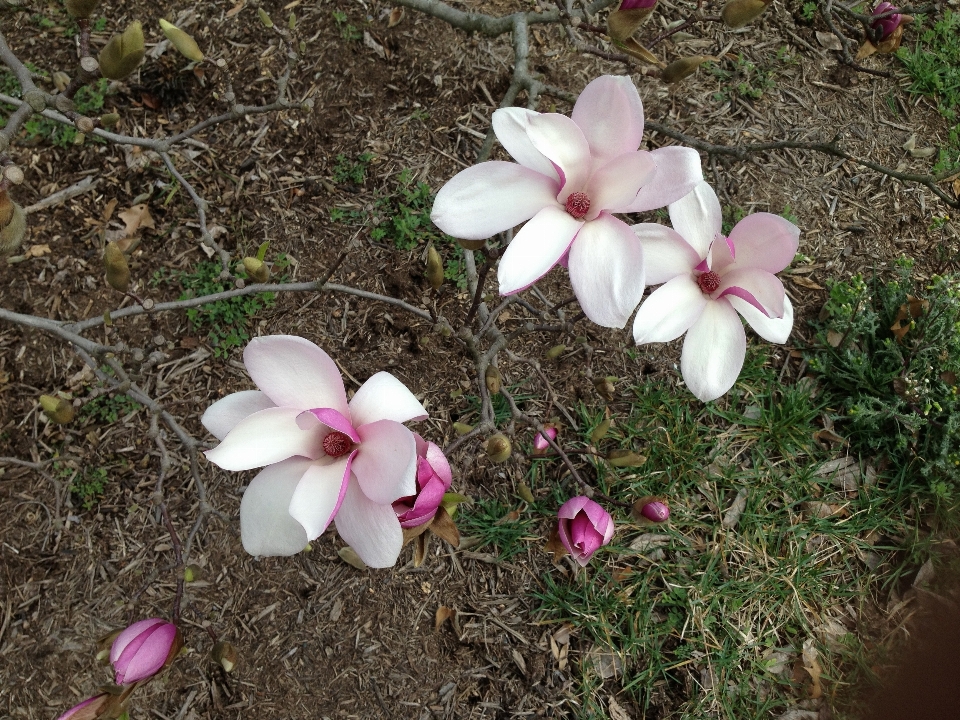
x=471 y=244
x=492 y=379
x=499 y=448
x=257 y=269
x=264 y=18
x=433 y=480
x=434 y=268
x=225 y=654
x=57 y=409
x=109 y=120
x=738 y=13
x=11 y=235
x=182 y=41
x=192 y=573
x=144 y=649
x=623 y=22
x=115 y=262
x=625 y=458
x=555 y=352
x=36 y=100
x=584 y=527
x=652 y=510
x=462 y=428
x=122 y=53
x=683 y=67
x=540 y=443
x=89 y=709
x=605 y=387
x=81 y=8
x=886 y=25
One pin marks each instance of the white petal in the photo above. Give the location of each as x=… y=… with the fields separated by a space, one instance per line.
x=266 y=527
x=320 y=493
x=491 y=197
x=510 y=125
x=765 y=241
x=383 y=397
x=669 y=311
x=264 y=438
x=372 y=530
x=678 y=172
x=294 y=372
x=614 y=186
x=759 y=285
x=606 y=271
x=536 y=248
x=610 y=114
x=386 y=465
x=665 y=253
x=221 y=417
x=698 y=217
x=775 y=330
x=562 y=142
x=713 y=351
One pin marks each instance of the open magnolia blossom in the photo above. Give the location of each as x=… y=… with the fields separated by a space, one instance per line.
x=584 y=527
x=324 y=457
x=433 y=480
x=571 y=174
x=707 y=279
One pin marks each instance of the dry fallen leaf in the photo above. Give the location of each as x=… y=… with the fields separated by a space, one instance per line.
x=824 y=510
x=829 y=41
x=396 y=15
x=732 y=516
x=805 y=282
x=444 y=527
x=349 y=556
x=443 y=614
x=616 y=710
x=136 y=217
x=37 y=251
x=555 y=546
x=834 y=338
x=812 y=667
x=924 y=574
x=236 y=8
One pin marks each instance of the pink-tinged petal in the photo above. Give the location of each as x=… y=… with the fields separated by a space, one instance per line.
x=720 y=256
x=335 y=421
x=536 y=248
x=294 y=372
x=371 y=529
x=775 y=330
x=584 y=536
x=670 y=311
x=386 y=465
x=758 y=287
x=131 y=633
x=89 y=709
x=540 y=441
x=510 y=126
x=266 y=526
x=698 y=218
x=665 y=253
x=614 y=186
x=383 y=397
x=572 y=506
x=264 y=438
x=146 y=654
x=607 y=271
x=441 y=466
x=221 y=417
x=563 y=144
x=426 y=503
x=491 y=197
x=320 y=494
x=678 y=173
x=610 y=114
x=713 y=351
x=765 y=241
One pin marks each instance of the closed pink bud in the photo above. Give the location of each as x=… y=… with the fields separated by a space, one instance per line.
x=886 y=25
x=656 y=511
x=540 y=443
x=89 y=709
x=636 y=4
x=433 y=480
x=584 y=527
x=143 y=649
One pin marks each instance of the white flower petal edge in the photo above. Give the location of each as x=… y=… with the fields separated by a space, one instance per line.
x=616 y=184
x=678 y=173
x=536 y=249
x=266 y=526
x=775 y=330
x=670 y=311
x=372 y=530
x=765 y=241
x=561 y=141
x=384 y=397
x=698 y=218
x=665 y=253
x=610 y=114
x=713 y=351
x=294 y=372
x=223 y=416
x=510 y=126
x=264 y=438
x=386 y=466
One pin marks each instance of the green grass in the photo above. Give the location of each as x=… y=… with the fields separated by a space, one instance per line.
x=351 y=172
x=499 y=527
x=89 y=101
x=109 y=409
x=742 y=78
x=348 y=32
x=88 y=486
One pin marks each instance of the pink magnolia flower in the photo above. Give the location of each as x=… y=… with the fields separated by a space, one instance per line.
x=886 y=25
x=655 y=511
x=571 y=174
x=707 y=279
x=584 y=527
x=636 y=4
x=143 y=649
x=540 y=444
x=323 y=456
x=89 y=709
x=433 y=481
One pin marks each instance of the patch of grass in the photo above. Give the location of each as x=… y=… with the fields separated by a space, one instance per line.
x=808 y=11
x=88 y=486
x=89 y=101
x=732 y=214
x=348 y=32
x=501 y=528
x=351 y=172
x=744 y=79
x=108 y=409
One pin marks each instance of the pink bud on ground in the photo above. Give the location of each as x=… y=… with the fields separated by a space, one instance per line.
x=142 y=649
x=87 y=710
x=636 y=4
x=433 y=480
x=656 y=511
x=584 y=527
x=886 y=25
x=540 y=444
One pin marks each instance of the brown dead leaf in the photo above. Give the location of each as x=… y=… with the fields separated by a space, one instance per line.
x=949 y=377
x=236 y=8
x=834 y=338
x=812 y=667
x=555 y=546
x=956 y=187
x=135 y=218
x=35 y=251
x=829 y=41
x=617 y=711
x=420 y=549
x=824 y=510
x=732 y=516
x=189 y=343
x=108 y=210
x=444 y=527
x=829 y=436
x=442 y=615
x=396 y=15
x=805 y=282
x=349 y=556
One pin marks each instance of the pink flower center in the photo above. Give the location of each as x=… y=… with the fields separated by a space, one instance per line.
x=578 y=205
x=709 y=282
x=337 y=444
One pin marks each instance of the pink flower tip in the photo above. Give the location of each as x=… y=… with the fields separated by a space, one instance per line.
x=584 y=527
x=89 y=709
x=143 y=649
x=540 y=443
x=434 y=478
x=888 y=24
x=656 y=511
x=637 y=4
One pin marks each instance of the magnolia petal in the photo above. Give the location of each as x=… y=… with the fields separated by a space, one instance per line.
x=775 y=330
x=386 y=465
x=572 y=506
x=610 y=114
x=221 y=417
x=562 y=142
x=441 y=466
x=765 y=241
x=665 y=253
x=758 y=287
x=294 y=372
x=146 y=654
x=670 y=311
x=333 y=420
x=384 y=397
x=319 y=494
x=491 y=197
x=372 y=530
x=698 y=217
x=713 y=351
x=266 y=526
x=606 y=271
x=614 y=186
x=510 y=126
x=678 y=173
x=129 y=634
x=536 y=248
x=264 y=438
